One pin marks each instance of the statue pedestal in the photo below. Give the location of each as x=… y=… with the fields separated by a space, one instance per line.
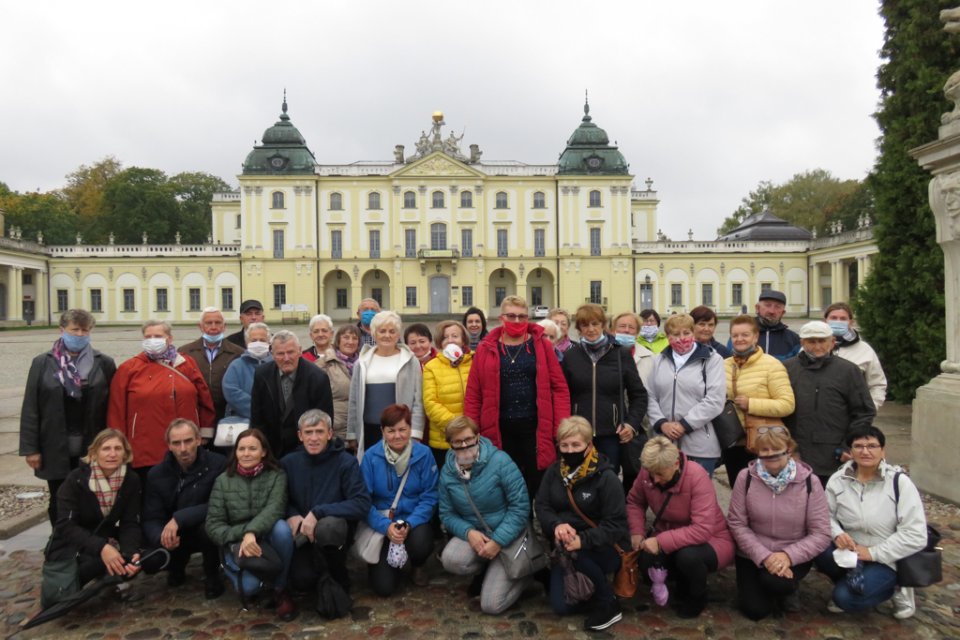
x=935 y=435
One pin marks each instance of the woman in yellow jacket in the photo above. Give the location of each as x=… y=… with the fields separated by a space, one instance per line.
x=762 y=386
x=445 y=383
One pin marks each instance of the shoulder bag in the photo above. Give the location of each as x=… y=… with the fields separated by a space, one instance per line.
x=369 y=542
x=60 y=579
x=727 y=425
x=228 y=429
x=925 y=567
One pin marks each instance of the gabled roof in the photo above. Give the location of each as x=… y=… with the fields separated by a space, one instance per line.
x=437 y=164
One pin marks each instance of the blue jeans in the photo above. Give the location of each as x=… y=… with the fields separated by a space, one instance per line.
x=281 y=539
x=879 y=583
x=707 y=463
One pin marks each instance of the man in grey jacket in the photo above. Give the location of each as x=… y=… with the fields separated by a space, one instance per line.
x=832 y=399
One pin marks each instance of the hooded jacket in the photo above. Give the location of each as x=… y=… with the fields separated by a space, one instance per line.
x=444 y=388
x=692 y=396
x=796 y=522
x=418 y=502
x=496 y=487
x=482 y=400
x=326 y=484
x=692 y=516
x=607 y=392
x=862 y=354
x=778 y=341
x=238 y=383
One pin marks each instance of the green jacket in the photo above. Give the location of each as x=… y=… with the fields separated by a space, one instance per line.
x=239 y=505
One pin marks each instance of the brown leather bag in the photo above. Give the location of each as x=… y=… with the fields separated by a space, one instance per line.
x=751 y=422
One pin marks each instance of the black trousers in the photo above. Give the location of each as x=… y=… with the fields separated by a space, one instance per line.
x=758 y=589
x=736 y=459
x=689 y=567
x=384 y=578
x=520 y=443
x=192 y=541
x=312 y=561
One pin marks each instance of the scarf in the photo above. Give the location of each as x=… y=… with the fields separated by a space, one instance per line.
x=68 y=374
x=106 y=489
x=250 y=473
x=598 y=349
x=571 y=477
x=564 y=344
x=779 y=483
x=168 y=356
x=741 y=357
x=348 y=361
x=400 y=460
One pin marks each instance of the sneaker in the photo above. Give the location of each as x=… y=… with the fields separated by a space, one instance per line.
x=904 y=604
x=287 y=609
x=604 y=617
x=833 y=607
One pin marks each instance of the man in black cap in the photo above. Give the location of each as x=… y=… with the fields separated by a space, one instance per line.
x=250 y=311
x=775 y=338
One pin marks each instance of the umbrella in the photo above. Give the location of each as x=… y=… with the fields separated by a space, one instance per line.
x=659 y=591
x=72 y=602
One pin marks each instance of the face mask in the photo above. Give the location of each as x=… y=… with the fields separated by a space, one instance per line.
x=217 y=339
x=453 y=353
x=467 y=456
x=682 y=346
x=258 y=349
x=839 y=327
x=625 y=340
x=574 y=459
x=746 y=352
x=515 y=329
x=593 y=343
x=649 y=332
x=154 y=346
x=75 y=344
x=367 y=317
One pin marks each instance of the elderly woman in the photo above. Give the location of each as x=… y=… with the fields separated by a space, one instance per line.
x=626 y=328
x=604 y=384
x=418 y=337
x=245 y=513
x=98 y=508
x=401 y=476
x=552 y=332
x=757 y=383
x=650 y=335
x=779 y=519
x=324 y=355
x=476 y=323
x=689 y=532
x=876 y=512
x=64 y=403
x=386 y=373
x=850 y=346
x=561 y=317
x=445 y=384
x=238 y=381
x=346 y=345
x=580 y=508
x=686 y=390
x=150 y=390
x=484 y=507
x=705 y=325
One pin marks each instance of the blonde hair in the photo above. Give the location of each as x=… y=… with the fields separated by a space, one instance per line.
x=457 y=425
x=386 y=318
x=675 y=323
x=659 y=453
x=512 y=301
x=775 y=439
x=575 y=426
x=103 y=436
x=626 y=314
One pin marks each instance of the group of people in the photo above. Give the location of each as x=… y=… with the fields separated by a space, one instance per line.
x=272 y=460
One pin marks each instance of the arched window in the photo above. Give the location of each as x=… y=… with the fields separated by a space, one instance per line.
x=501 y=200
x=409 y=200
x=278 y=199
x=595 y=198
x=438 y=199
x=438 y=235
x=373 y=200
x=466 y=200
x=539 y=200
x=336 y=202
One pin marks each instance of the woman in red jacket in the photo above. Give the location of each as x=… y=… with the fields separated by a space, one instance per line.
x=690 y=533
x=517 y=393
x=151 y=389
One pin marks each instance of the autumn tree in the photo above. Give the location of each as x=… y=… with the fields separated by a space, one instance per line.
x=84 y=189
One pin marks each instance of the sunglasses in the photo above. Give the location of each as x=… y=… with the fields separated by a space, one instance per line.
x=772 y=429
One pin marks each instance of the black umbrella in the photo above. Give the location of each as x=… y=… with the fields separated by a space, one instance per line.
x=72 y=602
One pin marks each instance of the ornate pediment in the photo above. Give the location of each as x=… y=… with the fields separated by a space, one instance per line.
x=437 y=164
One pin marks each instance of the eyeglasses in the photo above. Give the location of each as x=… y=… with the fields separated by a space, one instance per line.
x=772 y=429
x=866 y=447
x=465 y=443
x=514 y=317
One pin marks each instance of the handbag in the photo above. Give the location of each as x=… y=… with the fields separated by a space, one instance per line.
x=727 y=426
x=924 y=567
x=60 y=579
x=368 y=542
x=577 y=586
x=522 y=557
x=228 y=429
x=267 y=566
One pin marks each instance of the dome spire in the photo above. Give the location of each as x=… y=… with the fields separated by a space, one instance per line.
x=283 y=115
x=586 y=106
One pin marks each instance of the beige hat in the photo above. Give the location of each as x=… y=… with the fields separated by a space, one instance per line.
x=815 y=329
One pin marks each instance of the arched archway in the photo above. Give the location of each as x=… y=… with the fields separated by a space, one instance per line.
x=336 y=301
x=376 y=284
x=502 y=283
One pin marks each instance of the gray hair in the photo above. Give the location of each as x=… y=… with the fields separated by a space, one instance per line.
x=320 y=317
x=313 y=417
x=386 y=317
x=207 y=310
x=284 y=335
x=153 y=322
x=80 y=317
x=181 y=422
x=255 y=325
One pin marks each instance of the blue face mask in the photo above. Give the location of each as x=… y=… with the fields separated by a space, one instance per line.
x=367 y=317
x=593 y=343
x=625 y=339
x=217 y=339
x=839 y=327
x=75 y=344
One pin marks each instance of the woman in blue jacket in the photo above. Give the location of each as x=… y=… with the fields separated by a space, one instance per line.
x=477 y=471
x=398 y=464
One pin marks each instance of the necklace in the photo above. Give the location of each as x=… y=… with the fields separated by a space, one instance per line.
x=513 y=355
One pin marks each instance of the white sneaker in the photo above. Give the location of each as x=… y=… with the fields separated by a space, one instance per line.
x=904 y=604
x=832 y=607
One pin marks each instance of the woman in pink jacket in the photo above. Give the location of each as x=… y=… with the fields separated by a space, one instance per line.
x=780 y=521
x=690 y=535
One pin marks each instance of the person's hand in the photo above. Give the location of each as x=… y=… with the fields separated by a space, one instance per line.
x=396 y=533
x=626 y=433
x=308 y=526
x=476 y=540
x=777 y=564
x=294 y=523
x=742 y=402
x=651 y=545
x=113 y=560
x=844 y=541
x=863 y=554
x=845 y=457
x=490 y=550
x=563 y=533
x=35 y=461
x=574 y=543
x=673 y=430
x=169 y=537
x=249 y=547
x=132 y=568
x=636 y=541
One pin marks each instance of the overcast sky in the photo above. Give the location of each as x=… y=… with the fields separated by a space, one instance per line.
x=705 y=98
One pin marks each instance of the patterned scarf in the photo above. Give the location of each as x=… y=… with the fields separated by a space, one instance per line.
x=572 y=476
x=349 y=361
x=399 y=460
x=168 y=356
x=779 y=483
x=250 y=473
x=564 y=344
x=68 y=374
x=106 y=489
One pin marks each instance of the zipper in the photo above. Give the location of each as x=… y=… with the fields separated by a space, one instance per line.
x=593 y=402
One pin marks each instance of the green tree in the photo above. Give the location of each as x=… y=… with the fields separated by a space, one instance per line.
x=901 y=306
x=84 y=189
x=194 y=191
x=34 y=213
x=138 y=201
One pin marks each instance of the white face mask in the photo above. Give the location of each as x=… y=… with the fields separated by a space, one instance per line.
x=154 y=346
x=258 y=349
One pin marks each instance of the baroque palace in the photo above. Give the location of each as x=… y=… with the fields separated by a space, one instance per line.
x=433 y=232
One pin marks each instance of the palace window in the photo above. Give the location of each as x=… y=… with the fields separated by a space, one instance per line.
x=676 y=295
x=536 y=296
x=596 y=292
x=341 y=298
x=377 y=294
x=466 y=200
x=129 y=300
x=279 y=295
x=374 y=243
x=539 y=243
x=594 y=198
x=226 y=299
x=501 y=244
x=467 y=296
x=277 y=200
x=595 y=241
x=410 y=243
x=162 y=304
x=336 y=244
x=194 y=299
x=466 y=243
x=373 y=201
x=539 y=200
x=499 y=293
x=736 y=294
x=501 y=200
x=438 y=236
x=411 y=296
x=278 y=243
x=438 y=199
x=706 y=294
x=336 y=202
x=62 y=300
x=409 y=200
x=96 y=300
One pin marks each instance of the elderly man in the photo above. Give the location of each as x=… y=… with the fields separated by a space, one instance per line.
x=365 y=312
x=250 y=311
x=285 y=389
x=832 y=400
x=175 y=505
x=213 y=354
x=327 y=497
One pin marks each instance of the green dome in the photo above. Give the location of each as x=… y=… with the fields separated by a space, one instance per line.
x=284 y=151
x=589 y=151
